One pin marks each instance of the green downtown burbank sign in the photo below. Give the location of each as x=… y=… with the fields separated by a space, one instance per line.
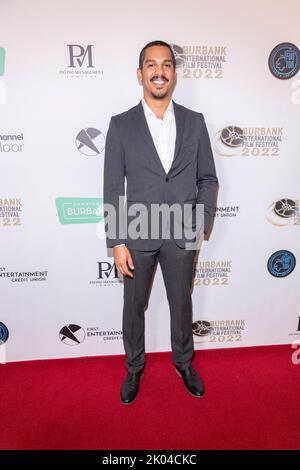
x=79 y=210
x=2 y=61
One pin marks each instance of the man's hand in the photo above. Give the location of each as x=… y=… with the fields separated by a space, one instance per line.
x=123 y=260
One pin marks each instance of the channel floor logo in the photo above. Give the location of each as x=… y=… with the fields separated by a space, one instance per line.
x=72 y=335
x=4 y=334
x=11 y=143
x=90 y=141
x=281 y=263
x=284 y=61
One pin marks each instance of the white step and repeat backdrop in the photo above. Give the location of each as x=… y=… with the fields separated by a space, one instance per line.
x=65 y=69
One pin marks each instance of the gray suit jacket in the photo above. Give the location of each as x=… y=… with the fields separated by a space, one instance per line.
x=130 y=153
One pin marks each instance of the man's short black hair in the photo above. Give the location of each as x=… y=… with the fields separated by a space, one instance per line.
x=155 y=43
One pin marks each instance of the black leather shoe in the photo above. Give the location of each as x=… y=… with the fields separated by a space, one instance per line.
x=192 y=381
x=130 y=387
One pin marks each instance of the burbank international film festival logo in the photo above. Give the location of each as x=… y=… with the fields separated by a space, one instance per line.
x=90 y=141
x=281 y=263
x=2 y=71
x=74 y=335
x=218 y=331
x=284 y=61
x=284 y=212
x=212 y=272
x=10 y=212
x=200 y=61
x=233 y=141
x=81 y=62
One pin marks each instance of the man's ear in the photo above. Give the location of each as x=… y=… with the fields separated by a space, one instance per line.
x=139 y=76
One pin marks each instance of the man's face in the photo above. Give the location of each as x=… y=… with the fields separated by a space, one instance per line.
x=158 y=75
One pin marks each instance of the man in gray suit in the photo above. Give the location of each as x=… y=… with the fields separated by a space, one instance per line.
x=163 y=151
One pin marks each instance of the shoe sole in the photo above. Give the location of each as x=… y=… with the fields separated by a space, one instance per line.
x=130 y=403
x=192 y=395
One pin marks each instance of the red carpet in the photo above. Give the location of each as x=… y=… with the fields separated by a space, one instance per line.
x=251 y=402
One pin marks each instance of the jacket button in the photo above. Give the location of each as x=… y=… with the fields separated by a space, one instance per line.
x=167 y=179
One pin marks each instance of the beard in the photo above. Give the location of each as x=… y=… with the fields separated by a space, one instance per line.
x=160 y=96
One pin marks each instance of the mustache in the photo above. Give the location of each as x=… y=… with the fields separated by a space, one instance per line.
x=161 y=77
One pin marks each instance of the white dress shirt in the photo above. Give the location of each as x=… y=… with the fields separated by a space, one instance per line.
x=163 y=132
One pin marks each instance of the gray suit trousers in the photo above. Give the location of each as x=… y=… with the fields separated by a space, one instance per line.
x=177 y=269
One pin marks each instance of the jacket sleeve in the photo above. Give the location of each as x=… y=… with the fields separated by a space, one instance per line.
x=207 y=181
x=113 y=187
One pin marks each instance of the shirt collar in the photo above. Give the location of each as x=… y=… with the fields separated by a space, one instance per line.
x=148 y=111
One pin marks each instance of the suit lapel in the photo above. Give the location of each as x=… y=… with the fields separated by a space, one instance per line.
x=143 y=128
x=179 y=119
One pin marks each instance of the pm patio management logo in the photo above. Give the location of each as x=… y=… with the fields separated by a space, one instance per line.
x=79 y=210
x=2 y=83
